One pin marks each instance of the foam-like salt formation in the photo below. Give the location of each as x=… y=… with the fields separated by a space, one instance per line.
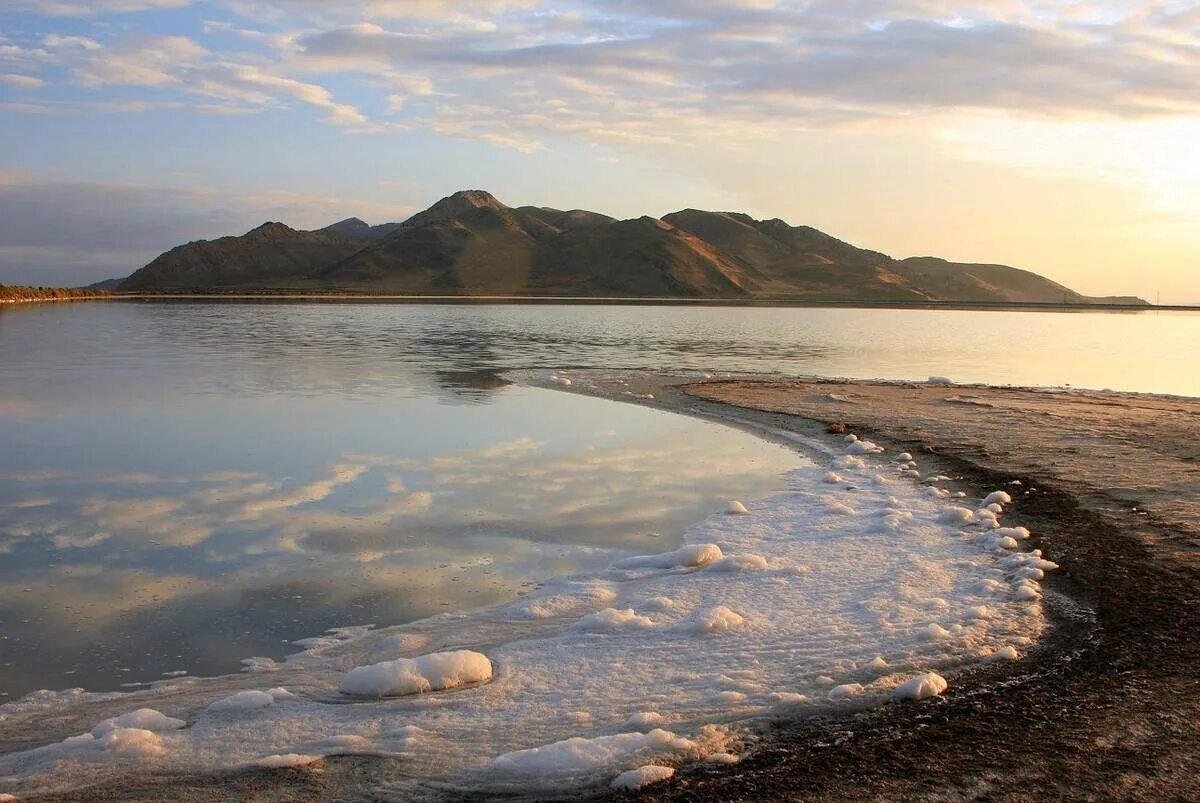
x=717 y=620
x=646 y=720
x=643 y=776
x=143 y=718
x=243 y=701
x=931 y=684
x=1008 y=653
x=570 y=757
x=685 y=557
x=433 y=672
x=612 y=620
x=781 y=612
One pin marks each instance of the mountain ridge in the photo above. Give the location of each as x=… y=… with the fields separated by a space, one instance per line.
x=471 y=244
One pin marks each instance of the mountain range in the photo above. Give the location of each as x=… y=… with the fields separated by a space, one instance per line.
x=470 y=244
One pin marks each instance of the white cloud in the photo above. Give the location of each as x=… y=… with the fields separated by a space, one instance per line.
x=93 y=8
x=27 y=81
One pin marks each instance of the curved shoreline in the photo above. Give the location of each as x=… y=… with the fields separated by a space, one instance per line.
x=1108 y=708
x=1011 y=733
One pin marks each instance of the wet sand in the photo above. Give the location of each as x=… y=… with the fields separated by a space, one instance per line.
x=1108 y=706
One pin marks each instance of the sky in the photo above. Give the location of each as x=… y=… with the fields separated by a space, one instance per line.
x=1061 y=137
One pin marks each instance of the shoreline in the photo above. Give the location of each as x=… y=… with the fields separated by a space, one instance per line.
x=1109 y=706
x=1078 y=716
x=784 y=302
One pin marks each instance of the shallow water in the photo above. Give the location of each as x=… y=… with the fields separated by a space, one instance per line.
x=183 y=487
x=186 y=484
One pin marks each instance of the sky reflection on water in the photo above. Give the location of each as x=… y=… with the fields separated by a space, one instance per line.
x=183 y=485
x=154 y=525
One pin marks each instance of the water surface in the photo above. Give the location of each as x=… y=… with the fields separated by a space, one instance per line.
x=183 y=485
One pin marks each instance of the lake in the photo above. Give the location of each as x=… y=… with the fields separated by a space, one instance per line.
x=187 y=484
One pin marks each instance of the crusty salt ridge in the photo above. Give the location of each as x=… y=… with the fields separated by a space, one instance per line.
x=807 y=601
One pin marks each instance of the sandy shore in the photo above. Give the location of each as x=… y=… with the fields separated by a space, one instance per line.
x=1107 y=707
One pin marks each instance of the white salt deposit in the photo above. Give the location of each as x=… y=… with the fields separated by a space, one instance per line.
x=738 y=563
x=997 y=497
x=953 y=514
x=433 y=672
x=773 y=614
x=736 y=508
x=243 y=701
x=646 y=720
x=144 y=718
x=931 y=684
x=611 y=620
x=570 y=757
x=845 y=691
x=643 y=776
x=717 y=620
x=687 y=557
x=1003 y=654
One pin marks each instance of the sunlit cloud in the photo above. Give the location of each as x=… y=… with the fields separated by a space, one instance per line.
x=683 y=85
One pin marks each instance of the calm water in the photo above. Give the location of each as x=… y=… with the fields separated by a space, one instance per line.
x=183 y=485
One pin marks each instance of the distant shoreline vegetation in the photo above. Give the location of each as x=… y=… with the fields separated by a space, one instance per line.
x=16 y=292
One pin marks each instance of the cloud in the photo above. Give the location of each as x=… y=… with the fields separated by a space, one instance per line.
x=93 y=8
x=73 y=233
x=13 y=79
x=513 y=72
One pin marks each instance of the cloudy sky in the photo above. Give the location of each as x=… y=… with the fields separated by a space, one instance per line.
x=1053 y=135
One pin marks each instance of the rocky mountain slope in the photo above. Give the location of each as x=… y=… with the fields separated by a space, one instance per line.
x=471 y=244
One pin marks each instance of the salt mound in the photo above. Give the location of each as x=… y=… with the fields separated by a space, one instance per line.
x=935 y=632
x=920 y=687
x=243 y=701
x=687 y=557
x=143 y=718
x=642 y=776
x=611 y=620
x=955 y=515
x=717 y=620
x=845 y=691
x=646 y=720
x=739 y=563
x=997 y=497
x=433 y=672
x=131 y=742
x=576 y=755
x=1008 y=653
x=736 y=508
x=586 y=595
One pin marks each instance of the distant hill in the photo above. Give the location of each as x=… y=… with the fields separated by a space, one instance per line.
x=471 y=244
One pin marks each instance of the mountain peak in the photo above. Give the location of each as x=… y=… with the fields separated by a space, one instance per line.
x=271 y=229
x=454 y=205
x=351 y=227
x=474 y=198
